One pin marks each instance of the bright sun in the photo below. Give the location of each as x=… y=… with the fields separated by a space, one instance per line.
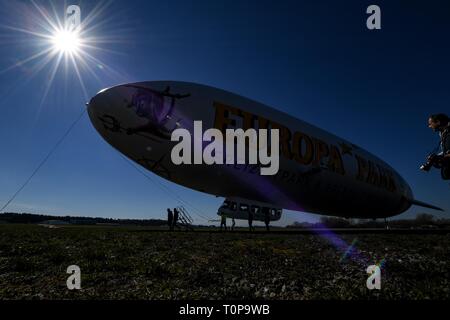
x=66 y=41
x=61 y=42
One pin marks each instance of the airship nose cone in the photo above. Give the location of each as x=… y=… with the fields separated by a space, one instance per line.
x=132 y=110
x=95 y=103
x=104 y=112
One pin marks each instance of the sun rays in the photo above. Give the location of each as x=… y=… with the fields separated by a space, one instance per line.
x=53 y=46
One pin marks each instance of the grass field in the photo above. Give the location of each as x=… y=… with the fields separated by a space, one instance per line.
x=134 y=263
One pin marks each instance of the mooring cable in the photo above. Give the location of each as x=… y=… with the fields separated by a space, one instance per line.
x=44 y=161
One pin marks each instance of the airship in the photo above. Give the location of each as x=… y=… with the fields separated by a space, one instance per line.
x=318 y=172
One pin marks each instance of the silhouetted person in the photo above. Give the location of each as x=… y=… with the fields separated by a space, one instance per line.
x=176 y=215
x=233 y=223
x=440 y=123
x=170 y=219
x=250 y=220
x=266 y=212
x=223 y=221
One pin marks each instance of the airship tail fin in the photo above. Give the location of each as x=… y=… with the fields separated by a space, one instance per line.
x=425 y=205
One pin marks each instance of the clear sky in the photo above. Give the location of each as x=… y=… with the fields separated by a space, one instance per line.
x=313 y=59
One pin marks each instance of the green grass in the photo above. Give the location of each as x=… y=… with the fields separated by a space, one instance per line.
x=131 y=263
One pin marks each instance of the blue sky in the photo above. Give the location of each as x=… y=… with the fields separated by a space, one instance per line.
x=313 y=59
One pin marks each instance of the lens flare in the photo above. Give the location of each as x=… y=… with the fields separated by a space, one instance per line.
x=60 y=48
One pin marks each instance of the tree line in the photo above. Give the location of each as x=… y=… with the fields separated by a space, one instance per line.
x=28 y=218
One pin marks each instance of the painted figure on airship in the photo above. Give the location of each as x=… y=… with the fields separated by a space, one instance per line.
x=157 y=107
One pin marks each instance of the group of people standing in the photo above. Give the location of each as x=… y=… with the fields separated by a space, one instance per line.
x=223 y=222
x=266 y=211
x=172 y=218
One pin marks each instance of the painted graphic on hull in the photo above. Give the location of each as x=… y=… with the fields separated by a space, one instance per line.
x=155 y=106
